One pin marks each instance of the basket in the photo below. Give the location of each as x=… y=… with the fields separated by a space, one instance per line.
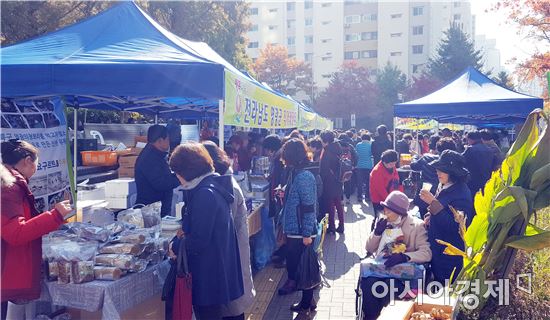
x=99 y=158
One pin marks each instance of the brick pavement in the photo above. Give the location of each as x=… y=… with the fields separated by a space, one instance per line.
x=336 y=299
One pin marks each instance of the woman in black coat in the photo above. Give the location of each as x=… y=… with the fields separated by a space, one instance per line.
x=452 y=191
x=331 y=200
x=208 y=228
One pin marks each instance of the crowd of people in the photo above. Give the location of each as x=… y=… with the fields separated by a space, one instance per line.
x=309 y=178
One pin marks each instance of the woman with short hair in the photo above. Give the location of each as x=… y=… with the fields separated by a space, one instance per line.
x=22 y=225
x=209 y=231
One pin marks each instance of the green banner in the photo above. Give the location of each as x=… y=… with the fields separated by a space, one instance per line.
x=248 y=105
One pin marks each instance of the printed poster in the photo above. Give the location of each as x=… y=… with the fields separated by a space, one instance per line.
x=41 y=123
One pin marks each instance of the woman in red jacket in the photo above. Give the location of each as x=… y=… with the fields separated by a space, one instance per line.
x=383 y=180
x=22 y=225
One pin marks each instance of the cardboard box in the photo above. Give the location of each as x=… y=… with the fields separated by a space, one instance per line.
x=124 y=172
x=120 y=187
x=140 y=139
x=427 y=308
x=121 y=202
x=127 y=161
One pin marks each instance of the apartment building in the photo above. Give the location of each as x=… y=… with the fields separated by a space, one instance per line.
x=372 y=33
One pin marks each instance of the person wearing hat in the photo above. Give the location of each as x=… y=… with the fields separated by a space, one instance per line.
x=396 y=215
x=452 y=191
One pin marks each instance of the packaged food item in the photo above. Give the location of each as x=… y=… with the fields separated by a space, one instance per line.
x=89 y=232
x=52 y=270
x=70 y=250
x=137 y=236
x=139 y=265
x=122 y=248
x=82 y=271
x=131 y=216
x=63 y=272
x=107 y=273
x=151 y=215
x=122 y=261
x=119 y=226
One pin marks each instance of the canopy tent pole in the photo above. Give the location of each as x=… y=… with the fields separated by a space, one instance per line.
x=75 y=153
x=220 y=124
x=394 y=132
x=156 y=118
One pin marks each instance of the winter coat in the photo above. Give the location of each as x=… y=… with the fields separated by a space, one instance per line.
x=364 y=153
x=154 y=179
x=22 y=230
x=479 y=160
x=379 y=145
x=302 y=196
x=240 y=214
x=429 y=174
x=382 y=182
x=330 y=170
x=211 y=242
x=443 y=226
x=402 y=147
x=415 y=238
x=499 y=157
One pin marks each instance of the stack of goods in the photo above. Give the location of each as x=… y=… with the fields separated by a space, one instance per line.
x=127 y=159
x=82 y=252
x=120 y=193
x=170 y=226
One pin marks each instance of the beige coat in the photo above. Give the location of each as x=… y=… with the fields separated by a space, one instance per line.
x=416 y=239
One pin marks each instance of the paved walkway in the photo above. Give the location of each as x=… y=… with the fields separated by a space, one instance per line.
x=341 y=253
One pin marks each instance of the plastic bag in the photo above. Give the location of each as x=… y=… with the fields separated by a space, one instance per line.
x=308 y=273
x=264 y=242
x=89 y=232
x=118 y=227
x=131 y=216
x=137 y=236
x=70 y=250
x=151 y=215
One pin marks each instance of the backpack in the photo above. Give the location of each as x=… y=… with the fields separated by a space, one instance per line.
x=346 y=167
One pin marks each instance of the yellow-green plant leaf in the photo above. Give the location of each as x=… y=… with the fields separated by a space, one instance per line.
x=450 y=249
x=542 y=200
x=523 y=198
x=532 y=230
x=476 y=233
x=540 y=177
x=530 y=243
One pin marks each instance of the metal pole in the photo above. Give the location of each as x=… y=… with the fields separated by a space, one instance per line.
x=156 y=118
x=394 y=132
x=75 y=154
x=220 y=123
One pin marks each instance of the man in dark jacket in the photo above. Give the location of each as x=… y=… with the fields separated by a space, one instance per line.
x=154 y=179
x=381 y=143
x=488 y=139
x=332 y=184
x=479 y=162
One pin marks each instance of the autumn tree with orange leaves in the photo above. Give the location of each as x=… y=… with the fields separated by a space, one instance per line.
x=533 y=18
x=283 y=73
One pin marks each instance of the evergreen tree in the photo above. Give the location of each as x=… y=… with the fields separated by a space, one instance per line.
x=504 y=79
x=455 y=53
x=391 y=82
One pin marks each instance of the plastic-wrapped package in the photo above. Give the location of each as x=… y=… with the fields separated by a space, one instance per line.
x=131 y=216
x=118 y=227
x=122 y=261
x=63 y=272
x=82 y=271
x=107 y=273
x=89 y=232
x=139 y=265
x=53 y=270
x=137 y=236
x=122 y=248
x=151 y=215
x=69 y=250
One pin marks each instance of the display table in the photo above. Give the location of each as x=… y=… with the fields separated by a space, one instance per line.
x=254 y=218
x=111 y=297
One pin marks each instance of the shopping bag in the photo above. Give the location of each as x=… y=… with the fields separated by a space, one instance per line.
x=183 y=303
x=308 y=274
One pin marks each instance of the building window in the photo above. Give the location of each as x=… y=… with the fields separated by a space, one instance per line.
x=352 y=19
x=326 y=58
x=273 y=10
x=254 y=27
x=418 y=11
x=395 y=54
x=326 y=40
x=369 y=54
x=253 y=45
x=456 y=17
x=309 y=22
x=351 y=55
x=272 y=27
x=353 y=37
x=457 y=4
x=308 y=4
x=308 y=39
x=417 y=68
x=369 y=35
x=326 y=22
x=253 y=11
x=418 y=30
x=290 y=6
x=291 y=41
x=418 y=49
x=326 y=4
x=369 y=17
x=395 y=16
x=327 y=75
x=396 y=35
x=291 y=55
x=308 y=57
x=290 y=24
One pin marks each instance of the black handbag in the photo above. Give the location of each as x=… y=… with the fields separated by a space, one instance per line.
x=308 y=273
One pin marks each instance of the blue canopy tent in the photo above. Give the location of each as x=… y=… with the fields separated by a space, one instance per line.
x=471 y=98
